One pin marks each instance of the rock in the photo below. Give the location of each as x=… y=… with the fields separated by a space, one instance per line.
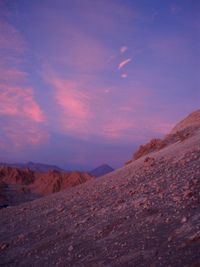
x=3 y=246
x=70 y=248
x=184 y=219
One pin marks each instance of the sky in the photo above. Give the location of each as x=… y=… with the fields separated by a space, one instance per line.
x=85 y=82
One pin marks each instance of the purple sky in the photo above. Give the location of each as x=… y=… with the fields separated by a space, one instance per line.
x=84 y=82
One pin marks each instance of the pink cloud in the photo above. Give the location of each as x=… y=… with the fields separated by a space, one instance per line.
x=20 y=117
x=124 y=75
x=18 y=102
x=73 y=103
x=123 y=49
x=20 y=114
x=123 y=63
x=91 y=114
x=72 y=100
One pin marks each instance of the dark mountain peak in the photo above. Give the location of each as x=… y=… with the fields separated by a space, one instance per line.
x=101 y=170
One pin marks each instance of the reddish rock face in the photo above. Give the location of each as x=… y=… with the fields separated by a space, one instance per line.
x=152 y=146
x=16 y=183
x=16 y=176
x=55 y=181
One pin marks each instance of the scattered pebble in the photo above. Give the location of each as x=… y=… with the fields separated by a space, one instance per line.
x=184 y=219
x=70 y=248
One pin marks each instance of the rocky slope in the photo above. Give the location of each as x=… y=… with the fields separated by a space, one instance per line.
x=144 y=214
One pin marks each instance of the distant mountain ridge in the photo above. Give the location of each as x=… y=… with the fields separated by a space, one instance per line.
x=101 y=170
x=33 y=166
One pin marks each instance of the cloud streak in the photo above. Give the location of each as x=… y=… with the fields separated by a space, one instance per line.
x=124 y=63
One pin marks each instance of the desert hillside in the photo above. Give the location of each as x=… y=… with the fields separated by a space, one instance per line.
x=144 y=214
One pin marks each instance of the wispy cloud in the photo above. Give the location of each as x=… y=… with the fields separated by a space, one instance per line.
x=18 y=102
x=20 y=118
x=20 y=114
x=73 y=104
x=71 y=99
x=123 y=49
x=89 y=114
x=124 y=63
x=124 y=75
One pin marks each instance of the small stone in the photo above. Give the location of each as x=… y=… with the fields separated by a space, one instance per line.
x=21 y=237
x=70 y=248
x=167 y=220
x=187 y=194
x=169 y=239
x=3 y=246
x=184 y=219
x=60 y=208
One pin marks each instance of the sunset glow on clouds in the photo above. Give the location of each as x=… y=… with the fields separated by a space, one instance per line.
x=80 y=79
x=123 y=63
x=20 y=117
x=19 y=112
x=19 y=102
x=123 y=49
